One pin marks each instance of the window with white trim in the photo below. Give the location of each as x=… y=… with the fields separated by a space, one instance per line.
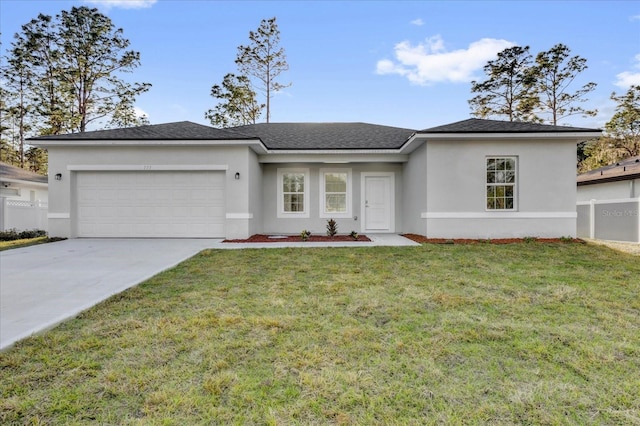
x=335 y=193
x=501 y=183
x=293 y=192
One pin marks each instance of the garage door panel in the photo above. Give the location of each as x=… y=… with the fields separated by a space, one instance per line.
x=150 y=204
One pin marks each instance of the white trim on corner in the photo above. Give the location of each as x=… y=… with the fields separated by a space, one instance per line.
x=239 y=216
x=349 y=193
x=499 y=215
x=146 y=167
x=58 y=216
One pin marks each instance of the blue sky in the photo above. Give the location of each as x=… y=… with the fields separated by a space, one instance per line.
x=405 y=64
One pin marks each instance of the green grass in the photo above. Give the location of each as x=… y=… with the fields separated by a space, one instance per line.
x=7 y=245
x=480 y=334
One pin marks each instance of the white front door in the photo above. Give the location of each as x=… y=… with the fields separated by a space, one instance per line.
x=378 y=201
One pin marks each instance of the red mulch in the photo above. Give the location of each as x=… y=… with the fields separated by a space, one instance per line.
x=423 y=239
x=261 y=238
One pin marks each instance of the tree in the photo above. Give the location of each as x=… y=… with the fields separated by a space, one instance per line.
x=93 y=51
x=264 y=59
x=554 y=72
x=622 y=134
x=75 y=61
x=624 y=126
x=238 y=106
x=507 y=91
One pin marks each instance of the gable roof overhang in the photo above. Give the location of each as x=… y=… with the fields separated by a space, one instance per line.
x=628 y=169
x=15 y=175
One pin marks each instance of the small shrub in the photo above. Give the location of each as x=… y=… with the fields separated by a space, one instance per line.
x=13 y=234
x=354 y=235
x=332 y=228
x=304 y=235
x=529 y=239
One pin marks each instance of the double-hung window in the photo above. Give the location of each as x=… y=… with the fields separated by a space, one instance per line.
x=501 y=183
x=293 y=192
x=335 y=193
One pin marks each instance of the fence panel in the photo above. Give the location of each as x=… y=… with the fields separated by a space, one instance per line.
x=615 y=220
x=23 y=215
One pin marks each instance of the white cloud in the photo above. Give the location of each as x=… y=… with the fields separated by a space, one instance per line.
x=124 y=4
x=139 y=112
x=635 y=18
x=430 y=62
x=627 y=79
x=419 y=22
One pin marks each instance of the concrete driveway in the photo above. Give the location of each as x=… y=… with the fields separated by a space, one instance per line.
x=42 y=285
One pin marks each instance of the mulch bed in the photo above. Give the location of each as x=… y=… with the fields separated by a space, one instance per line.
x=423 y=239
x=262 y=238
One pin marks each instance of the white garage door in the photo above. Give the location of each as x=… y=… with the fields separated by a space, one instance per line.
x=184 y=204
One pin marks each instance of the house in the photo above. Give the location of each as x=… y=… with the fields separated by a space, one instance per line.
x=23 y=199
x=619 y=180
x=473 y=179
x=609 y=202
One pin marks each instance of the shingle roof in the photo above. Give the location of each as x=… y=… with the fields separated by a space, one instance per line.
x=308 y=136
x=622 y=170
x=182 y=130
x=305 y=136
x=476 y=125
x=16 y=173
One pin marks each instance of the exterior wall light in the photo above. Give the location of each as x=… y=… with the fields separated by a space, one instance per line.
x=237 y=175
x=58 y=176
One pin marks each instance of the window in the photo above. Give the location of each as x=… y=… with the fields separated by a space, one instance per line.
x=293 y=195
x=335 y=193
x=501 y=183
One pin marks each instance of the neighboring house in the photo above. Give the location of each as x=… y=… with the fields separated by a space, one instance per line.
x=609 y=202
x=23 y=199
x=620 y=180
x=470 y=179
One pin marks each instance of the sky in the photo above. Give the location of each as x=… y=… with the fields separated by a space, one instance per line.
x=406 y=64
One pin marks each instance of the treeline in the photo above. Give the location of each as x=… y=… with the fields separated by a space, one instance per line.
x=519 y=87
x=60 y=75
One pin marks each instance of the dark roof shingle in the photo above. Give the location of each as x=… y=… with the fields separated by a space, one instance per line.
x=182 y=130
x=305 y=136
x=476 y=125
x=622 y=170
x=8 y=171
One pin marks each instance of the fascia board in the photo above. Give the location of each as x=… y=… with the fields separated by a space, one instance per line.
x=254 y=144
x=24 y=182
x=511 y=136
x=334 y=157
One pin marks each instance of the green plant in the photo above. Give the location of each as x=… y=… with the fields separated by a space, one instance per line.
x=304 y=235
x=354 y=235
x=332 y=228
x=529 y=239
x=13 y=234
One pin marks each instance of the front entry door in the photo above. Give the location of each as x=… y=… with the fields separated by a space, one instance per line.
x=378 y=202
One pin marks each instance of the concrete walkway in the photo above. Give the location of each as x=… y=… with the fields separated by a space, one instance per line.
x=43 y=285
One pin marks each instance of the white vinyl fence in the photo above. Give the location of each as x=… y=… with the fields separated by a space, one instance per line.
x=22 y=215
x=613 y=220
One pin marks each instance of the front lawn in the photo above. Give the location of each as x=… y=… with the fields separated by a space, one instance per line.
x=528 y=333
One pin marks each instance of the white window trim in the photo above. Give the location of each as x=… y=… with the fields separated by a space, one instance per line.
x=323 y=213
x=280 y=207
x=515 y=185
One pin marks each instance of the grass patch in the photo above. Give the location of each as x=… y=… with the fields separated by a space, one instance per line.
x=527 y=333
x=25 y=242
